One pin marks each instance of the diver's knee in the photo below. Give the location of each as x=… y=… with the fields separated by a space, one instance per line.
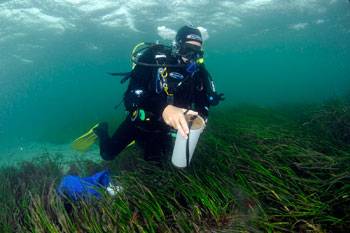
x=107 y=156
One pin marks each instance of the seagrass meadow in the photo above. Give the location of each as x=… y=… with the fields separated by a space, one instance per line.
x=282 y=169
x=274 y=156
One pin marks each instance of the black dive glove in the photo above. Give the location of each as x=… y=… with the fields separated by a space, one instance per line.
x=215 y=98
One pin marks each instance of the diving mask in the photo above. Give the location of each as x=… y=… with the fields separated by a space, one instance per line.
x=191 y=52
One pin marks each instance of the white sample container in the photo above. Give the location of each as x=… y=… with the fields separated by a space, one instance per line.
x=179 y=156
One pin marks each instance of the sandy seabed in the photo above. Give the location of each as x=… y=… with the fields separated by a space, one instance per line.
x=30 y=151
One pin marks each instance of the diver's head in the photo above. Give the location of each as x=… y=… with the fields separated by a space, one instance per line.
x=189 y=43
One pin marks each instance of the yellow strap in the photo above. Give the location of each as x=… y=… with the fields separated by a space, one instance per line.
x=166 y=89
x=134 y=50
x=164 y=73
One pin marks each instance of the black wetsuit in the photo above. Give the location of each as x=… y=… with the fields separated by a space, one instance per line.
x=145 y=92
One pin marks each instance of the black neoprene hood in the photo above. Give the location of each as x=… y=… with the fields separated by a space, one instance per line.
x=188 y=33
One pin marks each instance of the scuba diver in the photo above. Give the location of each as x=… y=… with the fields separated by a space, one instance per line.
x=166 y=84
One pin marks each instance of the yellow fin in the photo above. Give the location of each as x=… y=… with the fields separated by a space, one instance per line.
x=131 y=143
x=85 y=141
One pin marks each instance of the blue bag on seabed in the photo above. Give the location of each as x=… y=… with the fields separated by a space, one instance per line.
x=83 y=188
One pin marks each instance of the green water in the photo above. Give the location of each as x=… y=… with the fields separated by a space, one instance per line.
x=54 y=56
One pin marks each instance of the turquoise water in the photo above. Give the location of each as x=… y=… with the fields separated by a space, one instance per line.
x=54 y=56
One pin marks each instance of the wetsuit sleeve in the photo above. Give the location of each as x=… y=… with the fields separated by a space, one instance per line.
x=207 y=95
x=137 y=92
x=202 y=89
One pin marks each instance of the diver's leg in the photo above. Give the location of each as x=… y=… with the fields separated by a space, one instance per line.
x=110 y=147
x=156 y=146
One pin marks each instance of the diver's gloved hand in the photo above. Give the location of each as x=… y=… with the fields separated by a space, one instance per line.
x=215 y=98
